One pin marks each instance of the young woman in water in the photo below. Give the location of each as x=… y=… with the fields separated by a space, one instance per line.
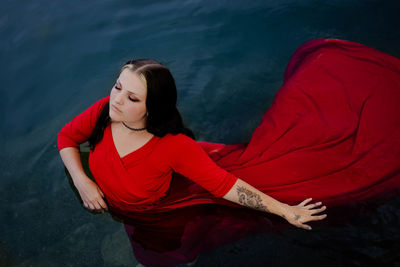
x=318 y=139
x=140 y=119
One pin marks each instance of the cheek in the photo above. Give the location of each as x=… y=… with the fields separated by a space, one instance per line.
x=112 y=94
x=137 y=110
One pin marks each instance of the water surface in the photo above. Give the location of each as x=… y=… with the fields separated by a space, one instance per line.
x=228 y=59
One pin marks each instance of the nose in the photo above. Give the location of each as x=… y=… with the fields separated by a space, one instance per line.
x=119 y=99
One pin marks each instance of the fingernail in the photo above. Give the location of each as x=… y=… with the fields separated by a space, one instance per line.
x=309 y=228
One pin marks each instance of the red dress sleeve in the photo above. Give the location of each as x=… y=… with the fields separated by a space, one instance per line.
x=80 y=128
x=190 y=160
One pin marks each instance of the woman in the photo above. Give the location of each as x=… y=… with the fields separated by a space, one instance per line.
x=141 y=153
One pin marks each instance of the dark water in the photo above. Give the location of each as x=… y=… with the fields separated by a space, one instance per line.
x=228 y=59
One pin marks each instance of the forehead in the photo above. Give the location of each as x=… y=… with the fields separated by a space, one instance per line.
x=130 y=81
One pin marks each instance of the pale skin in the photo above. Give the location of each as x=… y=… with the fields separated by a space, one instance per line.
x=244 y=194
x=127 y=104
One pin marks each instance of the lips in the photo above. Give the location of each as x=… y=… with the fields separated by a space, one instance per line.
x=115 y=108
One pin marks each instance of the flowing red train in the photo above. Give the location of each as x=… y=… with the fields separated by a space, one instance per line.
x=332 y=133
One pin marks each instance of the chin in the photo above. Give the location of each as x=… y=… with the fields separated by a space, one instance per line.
x=114 y=117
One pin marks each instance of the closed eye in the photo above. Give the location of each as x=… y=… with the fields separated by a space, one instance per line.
x=131 y=99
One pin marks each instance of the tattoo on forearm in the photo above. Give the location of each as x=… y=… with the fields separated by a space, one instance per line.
x=250 y=199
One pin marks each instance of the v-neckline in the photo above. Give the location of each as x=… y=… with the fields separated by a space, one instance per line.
x=135 y=153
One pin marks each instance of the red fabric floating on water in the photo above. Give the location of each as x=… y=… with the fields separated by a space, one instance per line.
x=332 y=133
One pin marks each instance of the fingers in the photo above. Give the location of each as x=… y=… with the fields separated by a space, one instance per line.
x=315 y=211
x=305 y=201
x=309 y=217
x=304 y=213
x=90 y=206
x=317 y=218
x=101 y=193
x=304 y=226
x=96 y=205
x=103 y=204
x=313 y=205
x=101 y=201
x=312 y=217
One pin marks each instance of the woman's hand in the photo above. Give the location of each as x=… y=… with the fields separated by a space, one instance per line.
x=301 y=213
x=246 y=195
x=91 y=195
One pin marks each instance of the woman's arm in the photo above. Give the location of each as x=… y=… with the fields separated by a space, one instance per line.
x=246 y=195
x=190 y=160
x=91 y=194
x=71 y=135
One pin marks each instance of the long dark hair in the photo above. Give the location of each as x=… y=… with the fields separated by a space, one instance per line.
x=163 y=116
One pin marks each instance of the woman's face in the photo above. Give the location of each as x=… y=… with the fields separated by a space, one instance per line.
x=128 y=99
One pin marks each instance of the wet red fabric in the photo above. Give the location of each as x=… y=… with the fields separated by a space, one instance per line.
x=332 y=133
x=143 y=176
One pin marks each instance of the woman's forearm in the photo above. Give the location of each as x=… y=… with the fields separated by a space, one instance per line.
x=90 y=192
x=72 y=161
x=246 y=195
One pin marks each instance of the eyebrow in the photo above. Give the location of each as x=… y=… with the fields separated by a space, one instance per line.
x=126 y=90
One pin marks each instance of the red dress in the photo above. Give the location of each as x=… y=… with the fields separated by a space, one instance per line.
x=332 y=133
x=143 y=176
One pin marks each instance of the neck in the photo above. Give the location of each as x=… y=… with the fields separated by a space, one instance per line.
x=133 y=128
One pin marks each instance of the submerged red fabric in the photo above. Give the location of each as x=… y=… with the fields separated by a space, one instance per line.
x=143 y=176
x=332 y=133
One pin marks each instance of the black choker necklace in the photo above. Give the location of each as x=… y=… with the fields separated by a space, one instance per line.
x=134 y=129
